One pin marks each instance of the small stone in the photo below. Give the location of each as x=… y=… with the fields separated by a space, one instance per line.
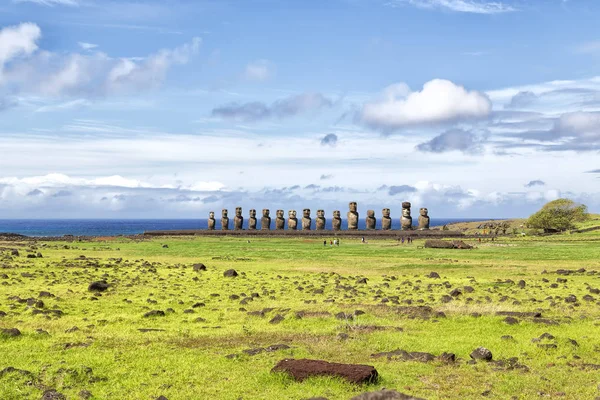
x=230 y=273
x=481 y=353
x=11 y=332
x=154 y=313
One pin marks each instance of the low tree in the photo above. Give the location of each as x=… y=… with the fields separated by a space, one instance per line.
x=558 y=216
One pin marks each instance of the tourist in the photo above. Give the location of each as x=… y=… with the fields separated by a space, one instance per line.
x=325 y=242
x=402 y=239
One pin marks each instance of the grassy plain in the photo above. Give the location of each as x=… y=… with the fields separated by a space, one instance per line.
x=208 y=317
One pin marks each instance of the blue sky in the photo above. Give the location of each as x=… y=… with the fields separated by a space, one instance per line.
x=116 y=109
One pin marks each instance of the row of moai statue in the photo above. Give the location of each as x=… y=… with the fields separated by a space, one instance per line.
x=306 y=223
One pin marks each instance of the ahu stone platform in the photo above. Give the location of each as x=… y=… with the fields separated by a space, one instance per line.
x=389 y=234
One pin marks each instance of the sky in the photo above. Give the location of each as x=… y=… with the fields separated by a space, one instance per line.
x=172 y=109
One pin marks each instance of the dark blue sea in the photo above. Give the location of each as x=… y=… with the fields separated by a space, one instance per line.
x=114 y=227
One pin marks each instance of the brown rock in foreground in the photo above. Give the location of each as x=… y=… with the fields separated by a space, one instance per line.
x=304 y=368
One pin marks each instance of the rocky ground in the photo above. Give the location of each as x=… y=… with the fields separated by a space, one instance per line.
x=283 y=318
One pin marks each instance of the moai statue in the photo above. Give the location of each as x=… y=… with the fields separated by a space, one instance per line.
x=371 y=220
x=336 y=222
x=238 y=220
x=211 y=221
x=306 y=220
x=265 y=221
x=353 y=217
x=279 y=221
x=423 y=219
x=406 y=220
x=320 y=222
x=224 y=220
x=386 y=221
x=252 y=220
x=292 y=220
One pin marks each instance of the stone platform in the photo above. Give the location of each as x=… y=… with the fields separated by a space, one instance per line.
x=391 y=234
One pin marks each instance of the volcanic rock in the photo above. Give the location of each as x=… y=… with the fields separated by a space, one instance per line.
x=305 y=368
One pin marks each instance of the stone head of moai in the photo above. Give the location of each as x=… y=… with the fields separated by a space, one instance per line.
x=320 y=224
x=371 y=221
x=211 y=221
x=279 y=221
x=423 y=219
x=306 y=213
x=353 y=206
x=336 y=223
x=253 y=213
x=352 y=216
x=224 y=213
x=266 y=212
x=386 y=221
x=406 y=220
x=292 y=214
x=238 y=221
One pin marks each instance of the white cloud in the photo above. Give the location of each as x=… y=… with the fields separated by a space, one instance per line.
x=92 y=73
x=584 y=125
x=466 y=6
x=87 y=46
x=19 y=40
x=150 y=72
x=440 y=101
x=69 y=105
x=260 y=70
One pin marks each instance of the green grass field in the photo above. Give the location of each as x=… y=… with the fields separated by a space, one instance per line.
x=95 y=343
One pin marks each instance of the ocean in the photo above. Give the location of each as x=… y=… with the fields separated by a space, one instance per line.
x=114 y=227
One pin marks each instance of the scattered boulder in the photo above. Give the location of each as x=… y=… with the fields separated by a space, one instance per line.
x=199 y=267
x=276 y=319
x=305 y=368
x=481 y=353
x=98 y=286
x=154 y=313
x=230 y=273
x=10 y=332
x=53 y=395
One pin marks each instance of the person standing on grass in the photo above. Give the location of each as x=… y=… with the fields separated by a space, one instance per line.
x=331 y=243
x=325 y=242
